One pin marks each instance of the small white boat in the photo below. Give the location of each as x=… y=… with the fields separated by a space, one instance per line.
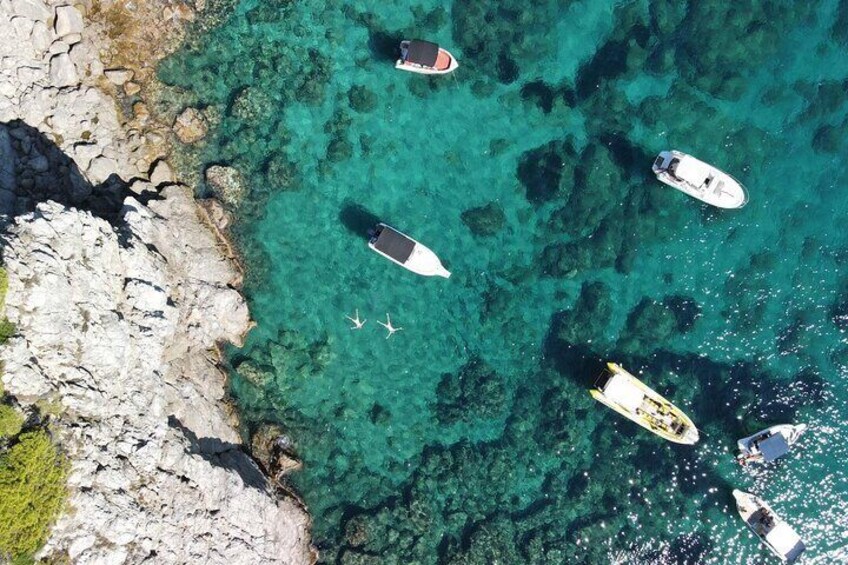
x=699 y=180
x=769 y=444
x=633 y=399
x=406 y=252
x=425 y=58
x=776 y=534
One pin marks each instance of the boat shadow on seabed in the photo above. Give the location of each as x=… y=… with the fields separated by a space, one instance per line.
x=358 y=220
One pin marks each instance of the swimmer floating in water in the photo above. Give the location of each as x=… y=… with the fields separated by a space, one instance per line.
x=357 y=323
x=388 y=326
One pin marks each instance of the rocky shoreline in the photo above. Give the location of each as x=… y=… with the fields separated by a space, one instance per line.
x=120 y=291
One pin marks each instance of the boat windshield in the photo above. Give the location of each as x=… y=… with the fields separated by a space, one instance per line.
x=672 y=167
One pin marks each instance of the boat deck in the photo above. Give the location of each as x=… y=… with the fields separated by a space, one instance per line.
x=443 y=61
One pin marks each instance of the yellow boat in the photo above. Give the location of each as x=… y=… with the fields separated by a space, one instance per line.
x=628 y=396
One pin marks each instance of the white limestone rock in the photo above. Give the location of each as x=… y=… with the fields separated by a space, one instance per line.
x=62 y=71
x=59 y=46
x=29 y=75
x=100 y=168
x=119 y=76
x=8 y=89
x=32 y=9
x=156 y=464
x=68 y=21
x=41 y=37
x=23 y=27
x=161 y=173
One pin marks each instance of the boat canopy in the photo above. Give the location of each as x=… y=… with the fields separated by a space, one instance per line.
x=784 y=539
x=692 y=171
x=422 y=53
x=394 y=244
x=773 y=447
x=619 y=389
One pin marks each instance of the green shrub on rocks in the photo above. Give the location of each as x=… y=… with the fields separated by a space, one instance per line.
x=7 y=328
x=32 y=492
x=4 y=286
x=10 y=422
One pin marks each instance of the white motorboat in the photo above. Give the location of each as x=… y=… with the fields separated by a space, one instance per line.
x=699 y=180
x=633 y=399
x=425 y=58
x=769 y=444
x=406 y=252
x=776 y=534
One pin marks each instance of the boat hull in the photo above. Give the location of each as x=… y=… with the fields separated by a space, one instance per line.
x=690 y=437
x=721 y=191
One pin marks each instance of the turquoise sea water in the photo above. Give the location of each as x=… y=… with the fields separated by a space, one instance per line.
x=469 y=437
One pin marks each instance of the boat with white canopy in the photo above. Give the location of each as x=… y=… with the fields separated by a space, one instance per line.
x=406 y=252
x=631 y=398
x=699 y=180
x=772 y=530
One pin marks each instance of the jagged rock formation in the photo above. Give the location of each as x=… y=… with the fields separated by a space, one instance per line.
x=120 y=294
x=114 y=325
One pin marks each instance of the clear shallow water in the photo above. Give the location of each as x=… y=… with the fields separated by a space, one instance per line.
x=469 y=437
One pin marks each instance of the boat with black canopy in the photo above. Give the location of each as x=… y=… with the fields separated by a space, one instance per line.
x=406 y=252
x=425 y=57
